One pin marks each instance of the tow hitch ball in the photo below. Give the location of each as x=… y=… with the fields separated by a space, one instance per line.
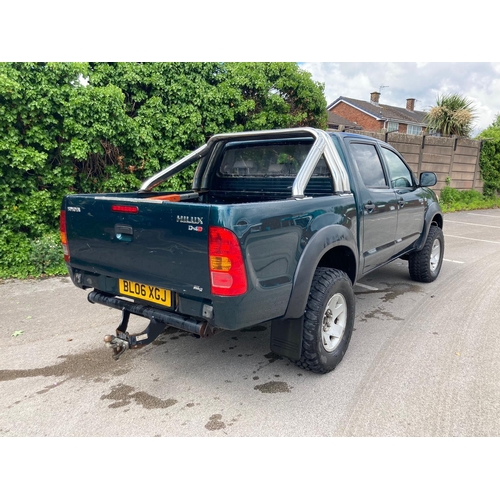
x=123 y=340
x=118 y=345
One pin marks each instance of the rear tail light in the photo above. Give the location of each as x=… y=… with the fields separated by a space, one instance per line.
x=64 y=236
x=227 y=270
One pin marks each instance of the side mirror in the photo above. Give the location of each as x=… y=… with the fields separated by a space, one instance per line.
x=428 y=179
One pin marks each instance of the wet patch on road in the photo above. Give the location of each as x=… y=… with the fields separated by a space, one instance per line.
x=165 y=336
x=159 y=341
x=215 y=423
x=163 y=339
x=273 y=387
x=400 y=289
x=124 y=394
x=87 y=365
x=393 y=291
x=380 y=314
x=272 y=357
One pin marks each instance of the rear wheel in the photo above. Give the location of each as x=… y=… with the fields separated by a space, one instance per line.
x=424 y=266
x=328 y=321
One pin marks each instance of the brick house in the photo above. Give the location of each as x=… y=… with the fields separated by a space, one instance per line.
x=375 y=116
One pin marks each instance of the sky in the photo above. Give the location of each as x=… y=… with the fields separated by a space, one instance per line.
x=356 y=37
x=397 y=81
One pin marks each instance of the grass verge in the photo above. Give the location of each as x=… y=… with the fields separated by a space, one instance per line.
x=453 y=200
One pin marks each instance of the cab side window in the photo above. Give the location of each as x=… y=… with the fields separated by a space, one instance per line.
x=369 y=165
x=400 y=174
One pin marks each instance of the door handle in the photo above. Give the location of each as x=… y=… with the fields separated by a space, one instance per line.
x=124 y=233
x=369 y=207
x=401 y=203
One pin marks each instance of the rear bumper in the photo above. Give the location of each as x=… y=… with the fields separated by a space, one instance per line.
x=176 y=320
x=107 y=288
x=228 y=313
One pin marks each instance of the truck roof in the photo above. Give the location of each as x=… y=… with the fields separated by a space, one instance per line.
x=355 y=136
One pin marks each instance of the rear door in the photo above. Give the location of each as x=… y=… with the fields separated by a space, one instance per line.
x=410 y=199
x=378 y=202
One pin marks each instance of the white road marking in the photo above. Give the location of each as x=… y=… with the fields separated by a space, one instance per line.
x=368 y=287
x=471 y=224
x=486 y=215
x=455 y=261
x=472 y=239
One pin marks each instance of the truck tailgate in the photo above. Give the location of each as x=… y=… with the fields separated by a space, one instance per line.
x=153 y=242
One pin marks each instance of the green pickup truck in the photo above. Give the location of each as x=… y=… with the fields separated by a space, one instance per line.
x=278 y=227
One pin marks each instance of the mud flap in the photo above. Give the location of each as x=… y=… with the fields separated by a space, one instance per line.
x=286 y=337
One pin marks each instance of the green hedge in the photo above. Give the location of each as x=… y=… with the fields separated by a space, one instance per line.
x=59 y=135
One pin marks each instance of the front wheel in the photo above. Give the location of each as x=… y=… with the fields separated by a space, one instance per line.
x=328 y=321
x=424 y=266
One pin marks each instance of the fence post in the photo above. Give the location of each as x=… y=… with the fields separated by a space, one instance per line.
x=452 y=157
x=420 y=156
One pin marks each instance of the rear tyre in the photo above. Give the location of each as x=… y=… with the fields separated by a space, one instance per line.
x=328 y=321
x=425 y=265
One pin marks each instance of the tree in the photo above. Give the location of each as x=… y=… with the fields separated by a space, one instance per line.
x=490 y=157
x=496 y=121
x=132 y=119
x=453 y=114
x=35 y=167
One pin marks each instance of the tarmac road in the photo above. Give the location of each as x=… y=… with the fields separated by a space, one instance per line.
x=424 y=360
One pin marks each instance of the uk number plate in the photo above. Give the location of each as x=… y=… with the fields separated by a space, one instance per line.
x=146 y=292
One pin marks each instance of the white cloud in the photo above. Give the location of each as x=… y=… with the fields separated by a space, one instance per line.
x=479 y=81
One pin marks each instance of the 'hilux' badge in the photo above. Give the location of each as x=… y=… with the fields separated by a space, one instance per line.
x=184 y=219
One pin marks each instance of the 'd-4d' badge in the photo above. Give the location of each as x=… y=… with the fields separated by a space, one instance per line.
x=184 y=219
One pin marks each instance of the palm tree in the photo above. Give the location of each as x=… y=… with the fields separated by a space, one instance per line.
x=453 y=114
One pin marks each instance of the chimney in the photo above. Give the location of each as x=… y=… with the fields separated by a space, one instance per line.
x=374 y=97
x=410 y=104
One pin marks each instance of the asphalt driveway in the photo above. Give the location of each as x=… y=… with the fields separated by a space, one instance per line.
x=424 y=360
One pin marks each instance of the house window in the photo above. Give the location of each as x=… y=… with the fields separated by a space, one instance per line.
x=414 y=130
x=392 y=126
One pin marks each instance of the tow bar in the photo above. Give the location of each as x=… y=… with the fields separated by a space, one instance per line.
x=159 y=320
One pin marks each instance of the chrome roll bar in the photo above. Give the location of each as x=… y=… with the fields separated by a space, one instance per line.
x=323 y=145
